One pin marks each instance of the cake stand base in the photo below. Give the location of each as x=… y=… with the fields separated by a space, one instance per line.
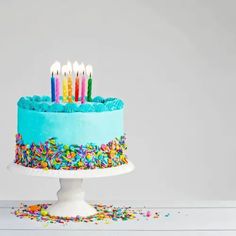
x=71 y=195
x=71 y=200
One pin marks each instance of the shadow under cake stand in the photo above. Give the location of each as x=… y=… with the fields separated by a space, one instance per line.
x=71 y=194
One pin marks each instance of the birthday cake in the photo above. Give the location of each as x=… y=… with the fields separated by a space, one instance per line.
x=73 y=131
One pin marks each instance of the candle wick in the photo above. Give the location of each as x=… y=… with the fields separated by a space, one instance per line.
x=52 y=74
x=83 y=72
x=77 y=74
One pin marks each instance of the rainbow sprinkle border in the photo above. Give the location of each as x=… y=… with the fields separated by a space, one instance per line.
x=58 y=156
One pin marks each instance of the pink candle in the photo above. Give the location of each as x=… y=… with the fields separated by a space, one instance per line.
x=57 y=89
x=83 y=92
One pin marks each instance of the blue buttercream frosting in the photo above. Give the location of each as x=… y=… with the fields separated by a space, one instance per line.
x=114 y=104
x=99 y=107
x=36 y=106
x=98 y=99
x=36 y=98
x=57 y=107
x=71 y=107
x=44 y=104
x=25 y=103
x=45 y=99
x=21 y=102
x=29 y=98
x=44 y=107
x=86 y=107
x=109 y=99
x=73 y=128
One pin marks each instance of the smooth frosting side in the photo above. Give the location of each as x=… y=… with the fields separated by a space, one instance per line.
x=71 y=128
x=43 y=104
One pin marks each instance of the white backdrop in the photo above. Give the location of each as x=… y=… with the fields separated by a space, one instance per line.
x=172 y=62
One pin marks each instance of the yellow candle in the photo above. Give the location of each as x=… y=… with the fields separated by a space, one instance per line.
x=69 y=69
x=69 y=88
x=64 y=89
x=64 y=84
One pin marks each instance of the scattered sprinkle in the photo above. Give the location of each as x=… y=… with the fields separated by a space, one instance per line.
x=148 y=214
x=105 y=214
x=167 y=215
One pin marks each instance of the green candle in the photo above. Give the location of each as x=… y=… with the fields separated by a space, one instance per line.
x=89 y=70
x=89 y=93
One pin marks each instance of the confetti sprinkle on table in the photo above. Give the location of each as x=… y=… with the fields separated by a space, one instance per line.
x=105 y=214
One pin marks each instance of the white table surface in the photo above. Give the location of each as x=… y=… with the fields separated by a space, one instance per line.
x=190 y=219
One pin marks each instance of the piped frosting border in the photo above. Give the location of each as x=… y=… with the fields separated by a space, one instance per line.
x=43 y=104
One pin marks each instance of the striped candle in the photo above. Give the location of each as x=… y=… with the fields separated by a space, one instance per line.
x=76 y=68
x=83 y=89
x=81 y=71
x=77 y=82
x=89 y=70
x=69 y=68
x=57 y=89
x=52 y=88
x=57 y=81
x=64 y=71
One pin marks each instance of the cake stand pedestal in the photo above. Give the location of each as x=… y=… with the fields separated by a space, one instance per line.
x=71 y=200
x=71 y=195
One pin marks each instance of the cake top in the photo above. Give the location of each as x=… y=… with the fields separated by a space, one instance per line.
x=44 y=104
x=70 y=92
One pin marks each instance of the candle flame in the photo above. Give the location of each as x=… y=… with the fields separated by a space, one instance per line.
x=55 y=68
x=76 y=67
x=81 y=68
x=58 y=67
x=64 y=69
x=69 y=67
x=89 y=70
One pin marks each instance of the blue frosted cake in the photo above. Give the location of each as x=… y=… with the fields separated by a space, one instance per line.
x=72 y=131
x=70 y=136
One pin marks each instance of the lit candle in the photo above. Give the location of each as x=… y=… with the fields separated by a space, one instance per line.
x=58 y=68
x=52 y=71
x=64 y=71
x=69 y=68
x=83 y=89
x=89 y=70
x=77 y=80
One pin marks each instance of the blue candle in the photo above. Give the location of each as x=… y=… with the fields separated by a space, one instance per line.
x=52 y=88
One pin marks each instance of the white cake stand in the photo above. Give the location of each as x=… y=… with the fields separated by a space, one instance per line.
x=71 y=194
